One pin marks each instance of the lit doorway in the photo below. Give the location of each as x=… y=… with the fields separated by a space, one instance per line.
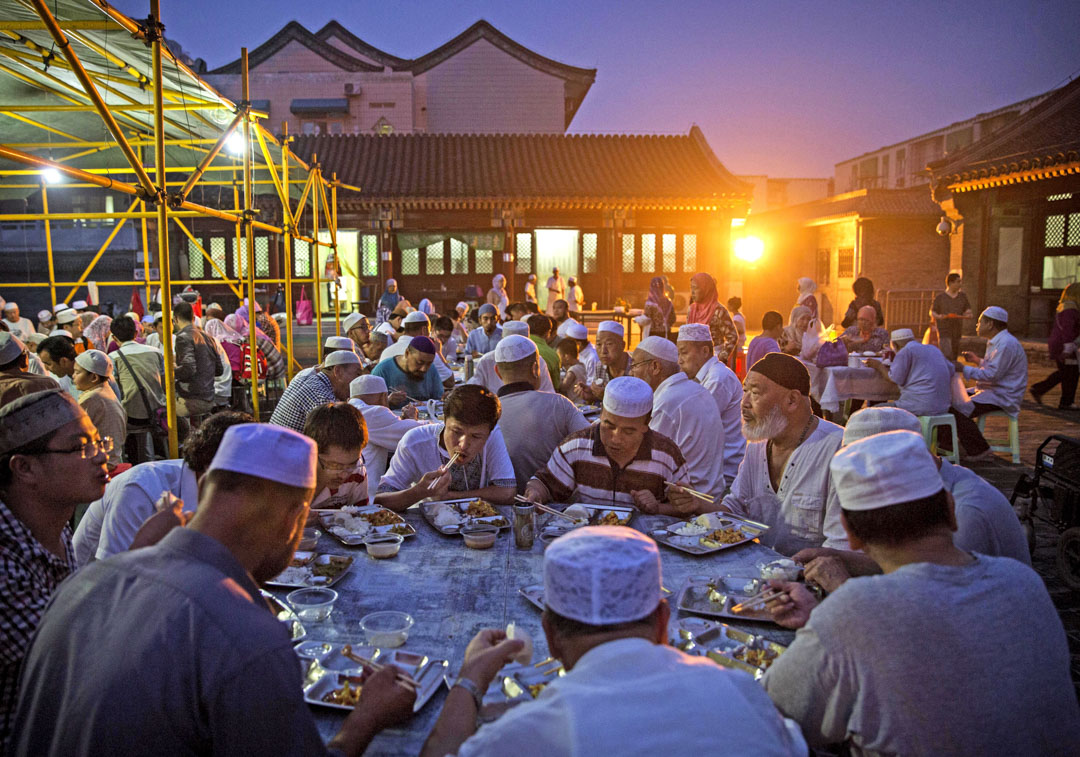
x=555 y=248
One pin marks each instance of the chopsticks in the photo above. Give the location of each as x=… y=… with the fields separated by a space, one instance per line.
x=444 y=468
x=346 y=651
x=762 y=597
x=693 y=492
x=544 y=508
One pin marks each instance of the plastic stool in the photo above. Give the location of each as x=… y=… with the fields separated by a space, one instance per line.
x=930 y=424
x=1014 y=434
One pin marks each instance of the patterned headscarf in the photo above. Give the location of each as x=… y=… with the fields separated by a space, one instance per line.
x=703 y=308
x=98 y=332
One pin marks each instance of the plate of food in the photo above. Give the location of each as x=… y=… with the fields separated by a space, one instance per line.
x=725 y=645
x=448 y=516
x=515 y=683
x=585 y=514
x=309 y=569
x=285 y=614
x=339 y=687
x=708 y=533
x=352 y=524
x=717 y=596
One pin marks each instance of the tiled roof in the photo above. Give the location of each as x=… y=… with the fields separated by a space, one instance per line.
x=863 y=203
x=538 y=169
x=1041 y=143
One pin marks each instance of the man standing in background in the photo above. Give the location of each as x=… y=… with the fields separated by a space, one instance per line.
x=949 y=310
x=556 y=287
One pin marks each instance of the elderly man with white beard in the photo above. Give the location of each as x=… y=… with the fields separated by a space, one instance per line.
x=783 y=480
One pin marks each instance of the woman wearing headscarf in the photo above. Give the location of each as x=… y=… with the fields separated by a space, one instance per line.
x=497 y=294
x=791 y=340
x=706 y=308
x=807 y=287
x=98 y=332
x=275 y=363
x=389 y=300
x=230 y=340
x=530 y=288
x=426 y=307
x=864 y=295
x=658 y=309
x=1063 y=350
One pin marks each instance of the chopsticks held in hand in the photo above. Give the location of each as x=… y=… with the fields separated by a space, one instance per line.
x=442 y=470
x=760 y=598
x=346 y=651
x=692 y=492
x=544 y=508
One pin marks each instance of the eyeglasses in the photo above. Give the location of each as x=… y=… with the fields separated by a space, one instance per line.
x=86 y=451
x=641 y=362
x=330 y=466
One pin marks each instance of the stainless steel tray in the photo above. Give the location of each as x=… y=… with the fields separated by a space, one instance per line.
x=427 y=509
x=515 y=684
x=716 y=596
x=353 y=538
x=285 y=580
x=725 y=645
x=694 y=545
x=285 y=614
x=552 y=526
x=320 y=680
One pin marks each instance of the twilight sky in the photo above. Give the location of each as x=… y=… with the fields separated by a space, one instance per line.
x=782 y=87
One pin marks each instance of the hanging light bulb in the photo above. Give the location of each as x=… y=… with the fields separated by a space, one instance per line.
x=52 y=176
x=235 y=143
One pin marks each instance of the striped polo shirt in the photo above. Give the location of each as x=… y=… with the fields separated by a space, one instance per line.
x=581 y=471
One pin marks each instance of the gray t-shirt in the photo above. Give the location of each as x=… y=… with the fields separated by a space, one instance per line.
x=933 y=659
x=986 y=522
x=164 y=650
x=533 y=423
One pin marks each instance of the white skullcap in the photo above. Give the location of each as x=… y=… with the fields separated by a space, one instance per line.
x=416 y=316
x=215 y=306
x=902 y=334
x=78 y=305
x=45 y=315
x=511 y=328
x=148 y=318
x=576 y=331
x=997 y=313
x=884 y=469
x=132 y=315
x=338 y=343
x=628 y=397
x=515 y=347
x=350 y=323
x=37 y=338
x=10 y=347
x=878 y=420
x=695 y=332
x=32 y=416
x=95 y=361
x=66 y=316
x=341 y=357
x=60 y=332
x=368 y=384
x=386 y=328
x=60 y=306
x=612 y=327
x=461 y=305
x=659 y=347
x=266 y=451
x=602 y=575
x=9 y=305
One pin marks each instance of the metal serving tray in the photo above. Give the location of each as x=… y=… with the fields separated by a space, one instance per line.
x=716 y=596
x=513 y=686
x=693 y=545
x=353 y=538
x=552 y=526
x=725 y=645
x=427 y=509
x=308 y=561
x=321 y=678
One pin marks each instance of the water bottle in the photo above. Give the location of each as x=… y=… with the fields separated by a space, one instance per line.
x=468 y=367
x=524 y=525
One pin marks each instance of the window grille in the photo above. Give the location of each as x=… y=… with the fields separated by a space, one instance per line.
x=588 y=253
x=217 y=254
x=689 y=246
x=524 y=252
x=668 y=253
x=434 y=265
x=196 y=262
x=410 y=262
x=628 y=253
x=483 y=261
x=459 y=256
x=648 y=253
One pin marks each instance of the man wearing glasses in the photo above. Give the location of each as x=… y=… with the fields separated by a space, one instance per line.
x=339 y=431
x=51 y=459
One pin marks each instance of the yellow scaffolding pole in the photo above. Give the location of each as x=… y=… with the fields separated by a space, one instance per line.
x=289 y=224
x=248 y=235
x=224 y=276
x=100 y=252
x=145 y=256
x=48 y=244
x=317 y=297
x=38 y=124
x=209 y=157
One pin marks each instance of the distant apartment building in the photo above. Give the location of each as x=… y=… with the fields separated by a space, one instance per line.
x=480 y=82
x=903 y=164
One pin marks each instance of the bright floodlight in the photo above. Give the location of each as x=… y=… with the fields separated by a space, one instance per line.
x=52 y=176
x=235 y=143
x=749 y=249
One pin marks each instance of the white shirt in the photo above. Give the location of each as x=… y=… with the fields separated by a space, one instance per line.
x=484 y=375
x=1003 y=376
x=727 y=392
x=632 y=697
x=985 y=521
x=35 y=366
x=683 y=411
x=556 y=288
x=154 y=339
x=419 y=452
x=575 y=298
x=110 y=523
x=21 y=328
x=385 y=430
x=923 y=375
x=67 y=383
x=223 y=383
x=591 y=360
x=804 y=511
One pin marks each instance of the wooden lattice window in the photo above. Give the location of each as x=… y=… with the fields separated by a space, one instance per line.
x=240 y=256
x=524 y=251
x=459 y=256
x=262 y=256
x=648 y=253
x=434 y=265
x=689 y=247
x=588 y=253
x=1062 y=237
x=1055 y=231
x=484 y=261
x=195 y=260
x=301 y=258
x=845 y=266
x=668 y=253
x=217 y=254
x=628 y=253
x=369 y=255
x=410 y=262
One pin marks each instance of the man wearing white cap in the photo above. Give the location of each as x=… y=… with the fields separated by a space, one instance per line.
x=70 y=322
x=174 y=612
x=483 y=340
x=79 y=306
x=421 y=465
x=921 y=373
x=613 y=359
x=358 y=328
x=51 y=460
x=1000 y=378
x=627 y=692
x=926 y=659
x=784 y=478
x=684 y=412
x=20 y=327
x=329 y=382
x=46 y=321
x=484 y=373
x=533 y=422
x=618 y=460
x=15 y=380
x=370 y=396
x=587 y=356
x=371 y=353
x=93 y=369
x=331 y=345
x=152 y=328
x=556 y=290
x=697 y=359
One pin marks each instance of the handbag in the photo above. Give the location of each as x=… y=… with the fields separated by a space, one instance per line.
x=158 y=417
x=305 y=314
x=832 y=354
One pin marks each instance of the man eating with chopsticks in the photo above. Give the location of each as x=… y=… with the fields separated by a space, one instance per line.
x=947 y=653
x=463 y=458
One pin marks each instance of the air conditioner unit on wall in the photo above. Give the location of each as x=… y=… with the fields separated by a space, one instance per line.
x=352 y=89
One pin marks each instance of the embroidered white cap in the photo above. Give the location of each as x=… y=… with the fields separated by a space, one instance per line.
x=611 y=327
x=902 y=334
x=78 y=305
x=997 y=313
x=349 y=323
x=695 y=332
x=602 y=575
x=416 y=316
x=884 y=469
x=515 y=347
x=67 y=316
x=341 y=357
x=95 y=361
x=44 y=315
x=31 y=416
x=37 y=338
x=9 y=305
x=661 y=348
x=60 y=332
x=576 y=331
x=628 y=397
x=878 y=420
x=60 y=306
x=515 y=327
x=267 y=451
x=338 y=343
x=367 y=384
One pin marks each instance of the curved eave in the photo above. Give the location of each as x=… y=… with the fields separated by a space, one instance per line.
x=297 y=32
x=1013 y=174
x=701 y=205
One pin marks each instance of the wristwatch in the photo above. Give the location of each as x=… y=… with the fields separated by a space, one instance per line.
x=470 y=686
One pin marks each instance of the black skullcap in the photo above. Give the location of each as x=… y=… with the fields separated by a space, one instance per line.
x=785 y=370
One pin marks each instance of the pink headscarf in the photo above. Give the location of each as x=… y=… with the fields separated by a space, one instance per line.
x=222 y=331
x=98 y=332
